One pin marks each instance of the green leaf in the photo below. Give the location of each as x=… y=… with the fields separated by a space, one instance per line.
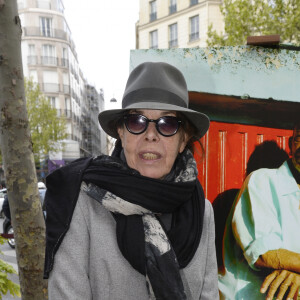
x=243 y=18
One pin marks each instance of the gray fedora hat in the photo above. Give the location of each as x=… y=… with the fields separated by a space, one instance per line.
x=154 y=85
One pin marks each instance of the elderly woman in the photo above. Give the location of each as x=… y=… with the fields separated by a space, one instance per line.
x=135 y=225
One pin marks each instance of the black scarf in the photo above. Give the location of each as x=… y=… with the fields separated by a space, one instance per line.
x=185 y=200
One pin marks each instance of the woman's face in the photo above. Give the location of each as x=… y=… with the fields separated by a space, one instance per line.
x=150 y=153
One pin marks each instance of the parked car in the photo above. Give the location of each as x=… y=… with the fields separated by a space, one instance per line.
x=2 y=194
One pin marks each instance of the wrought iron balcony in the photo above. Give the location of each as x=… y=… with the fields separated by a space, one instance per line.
x=46 y=32
x=50 y=87
x=49 y=60
x=59 y=112
x=65 y=62
x=68 y=113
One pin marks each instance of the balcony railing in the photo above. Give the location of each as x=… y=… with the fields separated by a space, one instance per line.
x=173 y=43
x=153 y=16
x=172 y=9
x=32 y=60
x=43 y=4
x=59 y=112
x=65 y=62
x=49 y=60
x=64 y=112
x=46 y=32
x=50 y=87
x=68 y=113
x=194 y=36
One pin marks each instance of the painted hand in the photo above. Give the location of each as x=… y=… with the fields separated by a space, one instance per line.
x=282 y=282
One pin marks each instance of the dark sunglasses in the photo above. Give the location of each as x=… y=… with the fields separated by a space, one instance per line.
x=166 y=126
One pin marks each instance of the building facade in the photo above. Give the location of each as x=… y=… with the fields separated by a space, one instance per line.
x=176 y=23
x=50 y=59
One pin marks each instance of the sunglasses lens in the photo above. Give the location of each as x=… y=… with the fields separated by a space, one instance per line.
x=168 y=125
x=136 y=123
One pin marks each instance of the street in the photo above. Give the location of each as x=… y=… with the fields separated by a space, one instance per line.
x=9 y=255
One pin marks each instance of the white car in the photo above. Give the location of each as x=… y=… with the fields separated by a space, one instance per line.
x=2 y=194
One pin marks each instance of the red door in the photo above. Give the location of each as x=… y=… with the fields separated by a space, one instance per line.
x=227 y=150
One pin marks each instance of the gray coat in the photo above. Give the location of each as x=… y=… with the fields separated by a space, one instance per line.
x=89 y=265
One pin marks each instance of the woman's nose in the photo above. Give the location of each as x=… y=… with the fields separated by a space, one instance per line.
x=151 y=134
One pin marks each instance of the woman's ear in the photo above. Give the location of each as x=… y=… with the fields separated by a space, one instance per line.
x=184 y=140
x=120 y=131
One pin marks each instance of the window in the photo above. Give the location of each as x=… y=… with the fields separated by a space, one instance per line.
x=153 y=39
x=49 y=55
x=194 y=28
x=173 y=6
x=31 y=49
x=64 y=60
x=49 y=50
x=66 y=83
x=153 y=11
x=50 y=79
x=67 y=104
x=32 y=59
x=52 y=101
x=193 y=2
x=33 y=76
x=67 y=108
x=44 y=4
x=46 y=26
x=173 y=42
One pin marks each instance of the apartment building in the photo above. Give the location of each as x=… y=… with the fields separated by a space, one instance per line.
x=92 y=136
x=50 y=59
x=176 y=23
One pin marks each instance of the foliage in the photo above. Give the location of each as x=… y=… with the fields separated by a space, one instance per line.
x=45 y=127
x=244 y=18
x=6 y=285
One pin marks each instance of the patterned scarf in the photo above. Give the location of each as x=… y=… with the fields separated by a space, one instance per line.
x=152 y=250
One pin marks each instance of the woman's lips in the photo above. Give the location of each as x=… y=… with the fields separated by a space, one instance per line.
x=150 y=155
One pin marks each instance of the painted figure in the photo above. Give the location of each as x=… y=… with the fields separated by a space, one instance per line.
x=261 y=242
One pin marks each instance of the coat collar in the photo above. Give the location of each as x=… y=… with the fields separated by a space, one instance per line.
x=286 y=182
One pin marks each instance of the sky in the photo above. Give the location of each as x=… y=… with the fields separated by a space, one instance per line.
x=104 y=33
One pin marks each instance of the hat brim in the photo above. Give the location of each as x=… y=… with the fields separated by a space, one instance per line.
x=108 y=118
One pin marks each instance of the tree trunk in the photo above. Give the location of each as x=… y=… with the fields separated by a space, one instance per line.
x=18 y=161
